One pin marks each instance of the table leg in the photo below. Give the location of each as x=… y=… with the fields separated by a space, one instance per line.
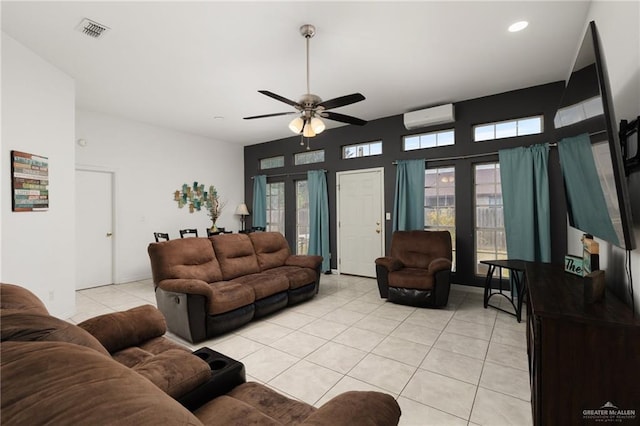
x=487 y=285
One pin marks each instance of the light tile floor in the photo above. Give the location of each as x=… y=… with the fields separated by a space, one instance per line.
x=463 y=365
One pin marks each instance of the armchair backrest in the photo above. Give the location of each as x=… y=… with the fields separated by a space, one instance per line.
x=416 y=249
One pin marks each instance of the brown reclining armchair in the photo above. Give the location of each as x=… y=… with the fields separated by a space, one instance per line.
x=417 y=271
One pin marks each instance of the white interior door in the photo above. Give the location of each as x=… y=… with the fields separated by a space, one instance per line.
x=94 y=228
x=360 y=221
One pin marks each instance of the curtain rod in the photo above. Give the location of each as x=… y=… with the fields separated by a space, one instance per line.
x=464 y=157
x=486 y=154
x=289 y=174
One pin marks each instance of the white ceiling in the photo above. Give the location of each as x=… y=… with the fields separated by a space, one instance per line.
x=181 y=64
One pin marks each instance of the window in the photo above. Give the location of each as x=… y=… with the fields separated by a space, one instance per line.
x=272 y=162
x=440 y=202
x=302 y=217
x=275 y=207
x=362 y=150
x=309 y=157
x=428 y=140
x=507 y=129
x=489 y=224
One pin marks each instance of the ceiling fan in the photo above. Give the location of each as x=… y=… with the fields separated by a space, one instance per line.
x=311 y=108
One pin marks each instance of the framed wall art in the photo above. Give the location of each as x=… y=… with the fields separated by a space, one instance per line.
x=29 y=182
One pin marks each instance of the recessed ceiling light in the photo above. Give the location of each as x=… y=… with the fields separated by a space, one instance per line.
x=518 y=26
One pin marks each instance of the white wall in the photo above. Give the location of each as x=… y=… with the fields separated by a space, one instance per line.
x=38 y=248
x=150 y=163
x=617 y=23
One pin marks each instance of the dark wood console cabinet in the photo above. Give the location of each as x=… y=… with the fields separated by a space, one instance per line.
x=581 y=356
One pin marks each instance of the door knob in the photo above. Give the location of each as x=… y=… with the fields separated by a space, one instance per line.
x=109 y=234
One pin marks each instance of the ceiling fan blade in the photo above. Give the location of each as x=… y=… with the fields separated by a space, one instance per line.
x=343 y=118
x=281 y=99
x=271 y=115
x=342 y=101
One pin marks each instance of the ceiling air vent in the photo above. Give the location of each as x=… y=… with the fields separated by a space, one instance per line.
x=91 y=28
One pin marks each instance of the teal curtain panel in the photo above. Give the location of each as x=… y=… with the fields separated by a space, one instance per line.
x=408 y=204
x=525 y=197
x=259 y=217
x=587 y=204
x=319 y=216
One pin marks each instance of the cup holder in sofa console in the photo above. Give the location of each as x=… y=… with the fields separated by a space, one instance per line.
x=226 y=374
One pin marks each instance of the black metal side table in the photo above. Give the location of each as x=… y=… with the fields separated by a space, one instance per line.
x=515 y=283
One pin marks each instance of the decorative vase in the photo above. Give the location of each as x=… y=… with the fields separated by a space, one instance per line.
x=214 y=228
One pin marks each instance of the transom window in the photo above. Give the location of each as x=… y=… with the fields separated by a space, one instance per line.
x=362 y=150
x=440 y=202
x=272 y=162
x=275 y=207
x=489 y=222
x=309 y=157
x=507 y=129
x=428 y=140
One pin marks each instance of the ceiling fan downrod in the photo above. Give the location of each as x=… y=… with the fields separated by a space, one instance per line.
x=307 y=31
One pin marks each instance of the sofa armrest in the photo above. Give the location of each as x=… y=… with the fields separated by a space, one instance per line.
x=175 y=371
x=121 y=330
x=304 y=261
x=187 y=286
x=357 y=407
x=439 y=264
x=391 y=263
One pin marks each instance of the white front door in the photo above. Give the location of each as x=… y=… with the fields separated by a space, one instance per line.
x=94 y=228
x=360 y=220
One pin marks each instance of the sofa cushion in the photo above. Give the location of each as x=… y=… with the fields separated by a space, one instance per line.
x=235 y=254
x=120 y=330
x=271 y=249
x=33 y=327
x=176 y=372
x=229 y=295
x=416 y=249
x=225 y=411
x=191 y=258
x=19 y=299
x=264 y=285
x=62 y=383
x=420 y=279
x=275 y=405
x=298 y=277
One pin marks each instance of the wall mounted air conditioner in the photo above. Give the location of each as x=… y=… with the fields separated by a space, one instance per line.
x=429 y=116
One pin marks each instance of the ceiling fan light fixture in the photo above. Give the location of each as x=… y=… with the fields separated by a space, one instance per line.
x=296 y=125
x=317 y=125
x=308 y=132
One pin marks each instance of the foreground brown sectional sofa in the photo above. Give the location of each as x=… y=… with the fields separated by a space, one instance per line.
x=119 y=369
x=208 y=286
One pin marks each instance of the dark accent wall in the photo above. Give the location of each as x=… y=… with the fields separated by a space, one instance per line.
x=531 y=101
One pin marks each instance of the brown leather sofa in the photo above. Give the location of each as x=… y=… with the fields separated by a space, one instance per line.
x=208 y=286
x=54 y=372
x=418 y=269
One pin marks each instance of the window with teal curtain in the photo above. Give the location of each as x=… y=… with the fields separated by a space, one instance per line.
x=525 y=196
x=319 y=216
x=408 y=204
x=259 y=217
x=585 y=199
